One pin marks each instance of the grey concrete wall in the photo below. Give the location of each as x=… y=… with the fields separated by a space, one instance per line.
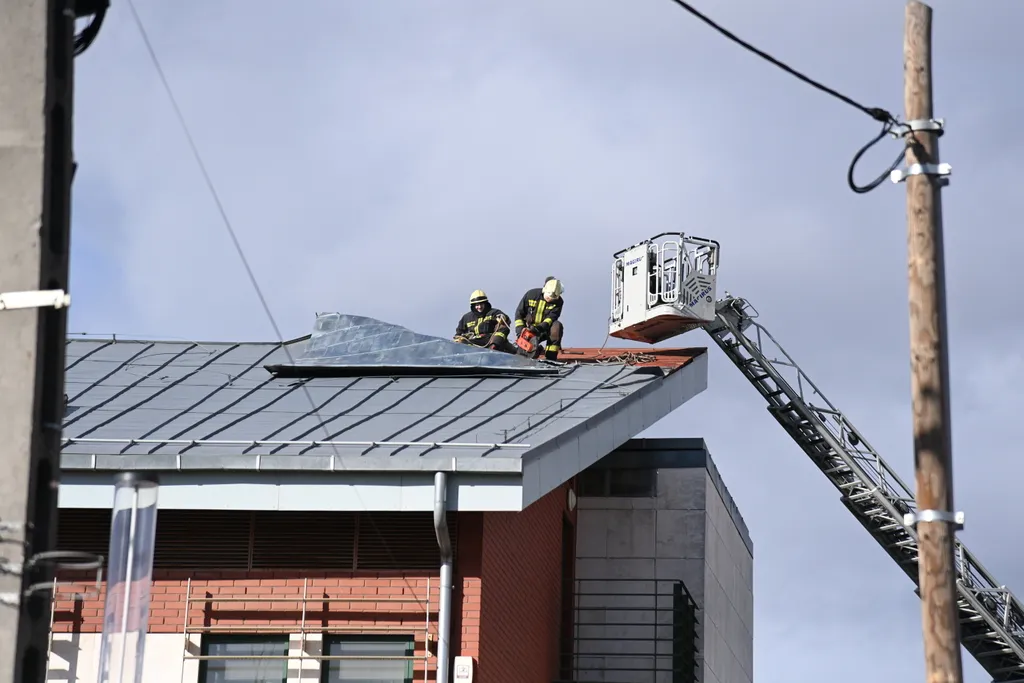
x=653 y=541
x=690 y=531
x=728 y=616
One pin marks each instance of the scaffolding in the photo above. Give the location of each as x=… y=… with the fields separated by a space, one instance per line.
x=267 y=610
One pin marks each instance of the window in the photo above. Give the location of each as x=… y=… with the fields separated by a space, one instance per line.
x=244 y=670
x=397 y=669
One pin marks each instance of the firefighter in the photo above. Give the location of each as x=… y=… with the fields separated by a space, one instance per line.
x=484 y=325
x=538 y=311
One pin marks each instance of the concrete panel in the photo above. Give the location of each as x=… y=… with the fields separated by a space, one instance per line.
x=631 y=534
x=682 y=489
x=680 y=534
x=614 y=568
x=712 y=643
x=592 y=532
x=690 y=572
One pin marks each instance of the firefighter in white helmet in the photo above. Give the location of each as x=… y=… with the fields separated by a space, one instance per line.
x=484 y=325
x=538 y=311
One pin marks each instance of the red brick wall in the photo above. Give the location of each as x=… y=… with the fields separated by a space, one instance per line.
x=223 y=600
x=468 y=586
x=507 y=582
x=521 y=610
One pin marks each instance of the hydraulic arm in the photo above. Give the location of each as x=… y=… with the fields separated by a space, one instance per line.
x=991 y=617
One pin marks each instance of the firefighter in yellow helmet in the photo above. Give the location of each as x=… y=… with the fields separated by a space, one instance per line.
x=484 y=325
x=538 y=311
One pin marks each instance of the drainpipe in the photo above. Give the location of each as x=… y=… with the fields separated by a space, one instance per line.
x=444 y=612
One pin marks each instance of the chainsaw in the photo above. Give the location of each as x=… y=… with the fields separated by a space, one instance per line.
x=528 y=343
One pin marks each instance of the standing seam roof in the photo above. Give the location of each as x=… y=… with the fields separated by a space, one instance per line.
x=192 y=405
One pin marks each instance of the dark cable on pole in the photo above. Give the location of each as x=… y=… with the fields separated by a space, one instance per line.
x=97 y=10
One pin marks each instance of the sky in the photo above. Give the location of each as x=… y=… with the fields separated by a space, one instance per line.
x=388 y=158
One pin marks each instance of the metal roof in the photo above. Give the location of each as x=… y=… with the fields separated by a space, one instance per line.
x=192 y=406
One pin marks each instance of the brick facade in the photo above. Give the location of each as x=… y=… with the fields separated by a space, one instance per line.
x=508 y=579
x=521 y=608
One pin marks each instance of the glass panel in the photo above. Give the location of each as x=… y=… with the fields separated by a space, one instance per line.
x=368 y=670
x=247 y=670
x=355 y=341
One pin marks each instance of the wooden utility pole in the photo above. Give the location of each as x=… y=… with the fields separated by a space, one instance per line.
x=933 y=458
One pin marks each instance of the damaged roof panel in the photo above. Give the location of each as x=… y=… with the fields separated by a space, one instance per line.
x=343 y=345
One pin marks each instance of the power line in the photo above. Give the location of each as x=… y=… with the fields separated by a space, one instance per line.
x=887 y=120
x=238 y=248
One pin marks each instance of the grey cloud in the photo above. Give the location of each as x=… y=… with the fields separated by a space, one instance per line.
x=385 y=162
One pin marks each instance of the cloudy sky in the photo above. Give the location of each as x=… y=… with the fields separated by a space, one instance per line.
x=387 y=158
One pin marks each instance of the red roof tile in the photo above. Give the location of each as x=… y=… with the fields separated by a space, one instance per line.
x=672 y=359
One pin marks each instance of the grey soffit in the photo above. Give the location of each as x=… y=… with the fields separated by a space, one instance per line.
x=201 y=406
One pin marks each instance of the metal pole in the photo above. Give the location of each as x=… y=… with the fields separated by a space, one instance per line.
x=36 y=38
x=929 y=357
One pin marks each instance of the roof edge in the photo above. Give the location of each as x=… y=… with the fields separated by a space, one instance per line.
x=553 y=463
x=114 y=338
x=262 y=463
x=304 y=491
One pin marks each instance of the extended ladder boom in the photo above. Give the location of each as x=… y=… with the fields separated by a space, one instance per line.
x=991 y=618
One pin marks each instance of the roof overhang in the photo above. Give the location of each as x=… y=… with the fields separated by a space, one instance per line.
x=339 y=482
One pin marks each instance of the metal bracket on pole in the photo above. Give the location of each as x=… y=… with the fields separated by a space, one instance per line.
x=47 y=298
x=937 y=126
x=68 y=560
x=954 y=518
x=941 y=170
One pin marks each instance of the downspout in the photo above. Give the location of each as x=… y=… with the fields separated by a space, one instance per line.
x=444 y=542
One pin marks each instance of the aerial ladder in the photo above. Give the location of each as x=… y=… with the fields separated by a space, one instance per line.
x=665 y=286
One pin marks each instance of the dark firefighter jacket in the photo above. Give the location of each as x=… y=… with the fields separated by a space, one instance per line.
x=533 y=310
x=479 y=327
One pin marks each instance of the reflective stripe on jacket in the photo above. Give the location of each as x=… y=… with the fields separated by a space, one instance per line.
x=480 y=327
x=533 y=310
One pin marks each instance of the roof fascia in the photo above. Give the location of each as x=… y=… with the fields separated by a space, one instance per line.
x=552 y=464
x=205 y=464
x=297 y=491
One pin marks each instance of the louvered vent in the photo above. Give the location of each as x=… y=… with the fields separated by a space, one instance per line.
x=202 y=539
x=232 y=539
x=294 y=540
x=85 y=531
x=386 y=538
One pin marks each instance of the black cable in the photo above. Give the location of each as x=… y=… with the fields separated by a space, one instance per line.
x=226 y=221
x=863 y=189
x=877 y=113
x=97 y=9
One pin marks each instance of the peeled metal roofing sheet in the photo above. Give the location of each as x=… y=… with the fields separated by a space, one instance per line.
x=205 y=400
x=353 y=344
